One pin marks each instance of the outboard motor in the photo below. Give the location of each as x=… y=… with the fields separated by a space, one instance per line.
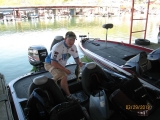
x=56 y=40
x=37 y=55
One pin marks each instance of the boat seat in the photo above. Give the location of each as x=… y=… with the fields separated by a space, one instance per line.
x=106 y=26
x=144 y=63
x=93 y=79
x=45 y=91
x=48 y=85
x=56 y=40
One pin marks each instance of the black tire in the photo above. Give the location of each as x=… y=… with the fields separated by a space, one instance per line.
x=142 y=42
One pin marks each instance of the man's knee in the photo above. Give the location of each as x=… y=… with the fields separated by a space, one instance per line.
x=47 y=66
x=64 y=78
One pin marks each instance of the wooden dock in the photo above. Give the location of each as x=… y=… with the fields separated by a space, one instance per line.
x=5 y=107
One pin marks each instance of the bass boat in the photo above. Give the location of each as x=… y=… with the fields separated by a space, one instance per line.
x=104 y=93
x=123 y=57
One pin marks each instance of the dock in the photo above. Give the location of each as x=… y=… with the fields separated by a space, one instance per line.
x=5 y=107
x=151 y=46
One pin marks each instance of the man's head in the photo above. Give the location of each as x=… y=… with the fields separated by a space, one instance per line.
x=70 y=38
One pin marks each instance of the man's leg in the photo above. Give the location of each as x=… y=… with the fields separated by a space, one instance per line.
x=64 y=85
x=62 y=76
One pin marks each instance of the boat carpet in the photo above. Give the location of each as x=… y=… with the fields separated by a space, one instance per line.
x=22 y=85
x=113 y=52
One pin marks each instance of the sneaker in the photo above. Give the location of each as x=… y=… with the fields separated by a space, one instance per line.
x=72 y=97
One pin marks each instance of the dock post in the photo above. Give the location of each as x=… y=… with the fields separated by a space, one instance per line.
x=55 y=12
x=73 y=12
x=36 y=11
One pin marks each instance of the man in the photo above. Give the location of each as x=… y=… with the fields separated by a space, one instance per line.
x=55 y=61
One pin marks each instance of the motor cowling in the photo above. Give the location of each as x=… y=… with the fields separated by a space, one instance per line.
x=37 y=55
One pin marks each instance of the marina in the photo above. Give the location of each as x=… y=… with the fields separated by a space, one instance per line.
x=39 y=25
x=77 y=9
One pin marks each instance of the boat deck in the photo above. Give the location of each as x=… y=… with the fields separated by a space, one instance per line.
x=22 y=85
x=20 y=91
x=5 y=108
x=117 y=53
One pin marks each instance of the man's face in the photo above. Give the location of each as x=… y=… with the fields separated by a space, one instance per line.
x=70 y=41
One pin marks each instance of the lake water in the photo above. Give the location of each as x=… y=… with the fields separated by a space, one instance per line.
x=17 y=36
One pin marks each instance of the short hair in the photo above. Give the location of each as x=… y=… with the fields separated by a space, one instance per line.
x=70 y=34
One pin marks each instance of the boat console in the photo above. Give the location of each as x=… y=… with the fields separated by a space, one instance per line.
x=146 y=66
x=140 y=64
x=154 y=58
x=143 y=62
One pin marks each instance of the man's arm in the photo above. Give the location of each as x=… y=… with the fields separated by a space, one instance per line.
x=76 y=57
x=78 y=62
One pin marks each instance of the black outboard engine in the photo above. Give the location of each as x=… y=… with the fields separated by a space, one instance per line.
x=37 y=55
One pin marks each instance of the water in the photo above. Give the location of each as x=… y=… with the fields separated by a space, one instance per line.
x=17 y=36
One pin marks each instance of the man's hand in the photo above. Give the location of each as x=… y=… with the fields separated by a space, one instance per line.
x=80 y=64
x=78 y=61
x=67 y=71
